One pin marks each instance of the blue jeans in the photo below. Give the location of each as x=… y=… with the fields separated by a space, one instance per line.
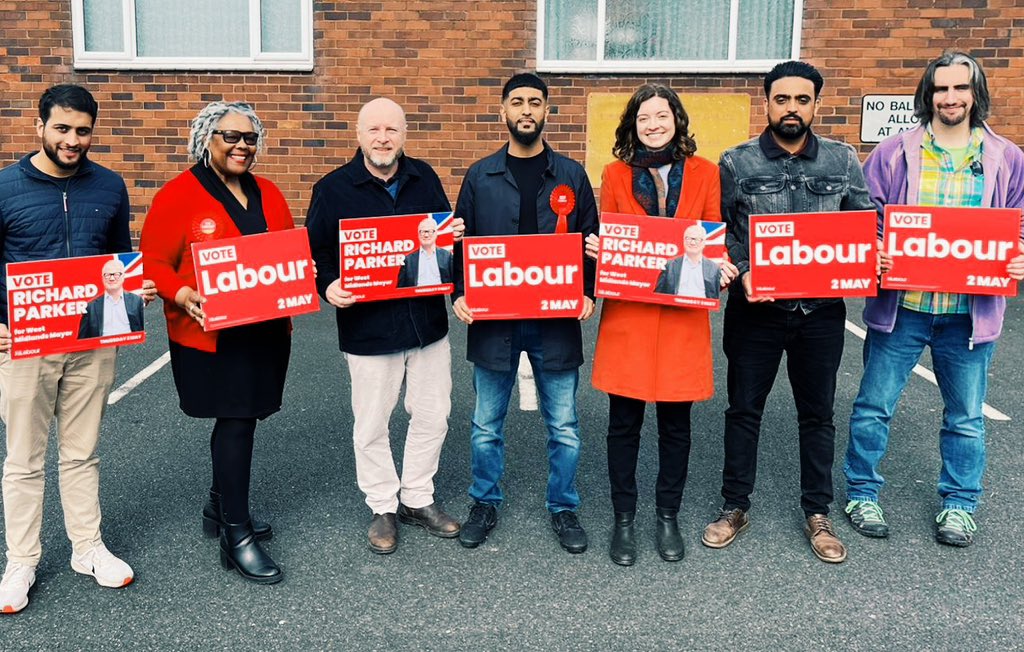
x=557 y=396
x=961 y=373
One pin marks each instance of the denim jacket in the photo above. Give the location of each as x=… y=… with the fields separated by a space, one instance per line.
x=761 y=178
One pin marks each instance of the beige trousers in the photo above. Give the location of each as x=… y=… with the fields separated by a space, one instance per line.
x=376 y=385
x=74 y=388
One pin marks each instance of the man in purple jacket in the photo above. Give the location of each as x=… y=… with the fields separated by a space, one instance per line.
x=951 y=159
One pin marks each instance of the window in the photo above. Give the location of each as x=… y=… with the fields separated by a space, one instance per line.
x=193 y=34
x=666 y=35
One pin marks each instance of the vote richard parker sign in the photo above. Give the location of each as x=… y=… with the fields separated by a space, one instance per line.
x=819 y=255
x=254 y=278
x=398 y=256
x=57 y=306
x=673 y=262
x=949 y=249
x=524 y=276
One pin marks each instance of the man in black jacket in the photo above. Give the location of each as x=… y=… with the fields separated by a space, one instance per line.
x=388 y=342
x=56 y=203
x=509 y=193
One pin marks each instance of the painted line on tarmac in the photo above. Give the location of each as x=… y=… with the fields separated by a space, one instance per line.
x=929 y=375
x=527 y=386
x=138 y=378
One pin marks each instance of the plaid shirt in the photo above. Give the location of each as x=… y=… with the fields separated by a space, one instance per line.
x=943 y=183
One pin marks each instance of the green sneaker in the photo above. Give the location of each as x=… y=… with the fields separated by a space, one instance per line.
x=866 y=517
x=955 y=527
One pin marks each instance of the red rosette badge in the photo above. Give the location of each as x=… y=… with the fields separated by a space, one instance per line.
x=562 y=201
x=206 y=228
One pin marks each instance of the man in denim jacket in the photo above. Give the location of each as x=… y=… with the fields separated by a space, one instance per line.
x=951 y=159
x=787 y=169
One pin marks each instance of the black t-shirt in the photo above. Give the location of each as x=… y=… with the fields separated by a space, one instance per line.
x=529 y=176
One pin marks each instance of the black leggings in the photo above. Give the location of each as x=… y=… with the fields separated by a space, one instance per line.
x=231 y=452
x=625 y=418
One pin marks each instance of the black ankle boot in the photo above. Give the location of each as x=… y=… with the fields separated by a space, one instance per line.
x=623 y=549
x=240 y=550
x=666 y=533
x=212 y=521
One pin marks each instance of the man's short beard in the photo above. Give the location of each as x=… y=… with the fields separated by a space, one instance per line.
x=525 y=139
x=383 y=164
x=789 y=132
x=54 y=156
x=952 y=123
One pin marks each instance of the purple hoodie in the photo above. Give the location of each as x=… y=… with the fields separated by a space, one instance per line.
x=894 y=177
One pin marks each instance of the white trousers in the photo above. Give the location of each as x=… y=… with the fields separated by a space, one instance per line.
x=376 y=385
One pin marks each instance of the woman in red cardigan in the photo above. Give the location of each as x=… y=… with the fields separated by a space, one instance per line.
x=235 y=375
x=645 y=352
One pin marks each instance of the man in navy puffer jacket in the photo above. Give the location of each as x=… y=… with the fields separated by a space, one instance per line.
x=56 y=203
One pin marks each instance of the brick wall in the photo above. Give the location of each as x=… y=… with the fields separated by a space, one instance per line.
x=445 y=63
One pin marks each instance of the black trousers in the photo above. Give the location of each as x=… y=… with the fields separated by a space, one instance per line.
x=754 y=339
x=625 y=418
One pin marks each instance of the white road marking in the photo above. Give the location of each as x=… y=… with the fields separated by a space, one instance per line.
x=929 y=375
x=138 y=378
x=527 y=387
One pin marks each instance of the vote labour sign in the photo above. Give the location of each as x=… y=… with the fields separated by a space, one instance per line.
x=673 y=262
x=254 y=278
x=947 y=249
x=395 y=257
x=58 y=306
x=814 y=254
x=524 y=276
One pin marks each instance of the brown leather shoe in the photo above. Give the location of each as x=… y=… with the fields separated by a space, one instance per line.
x=383 y=534
x=824 y=542
x=431 y=518
x=720 y=532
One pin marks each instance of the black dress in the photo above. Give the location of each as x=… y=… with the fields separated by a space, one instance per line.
x=245 y=377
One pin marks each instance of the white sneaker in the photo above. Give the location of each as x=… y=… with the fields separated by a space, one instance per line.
x=108 y=570
x=18 y=579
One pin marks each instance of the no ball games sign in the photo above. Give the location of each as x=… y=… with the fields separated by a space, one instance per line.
x=882 y=116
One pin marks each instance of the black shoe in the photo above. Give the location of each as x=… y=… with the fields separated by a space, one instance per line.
x=482 y=519
x=623 y=548
x=212 y=522
x=570 y=533
x=240 y=550
x=666 y=533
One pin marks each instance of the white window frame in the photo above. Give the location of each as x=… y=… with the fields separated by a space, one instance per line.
x=601 y=65
x=129 y=59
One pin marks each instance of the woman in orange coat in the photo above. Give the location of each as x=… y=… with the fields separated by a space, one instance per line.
x=235 y=375
x=646 y=352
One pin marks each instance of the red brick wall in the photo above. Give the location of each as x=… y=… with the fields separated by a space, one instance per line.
x=445 y=63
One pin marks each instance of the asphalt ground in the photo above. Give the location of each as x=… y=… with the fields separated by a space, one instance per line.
x=520 y=590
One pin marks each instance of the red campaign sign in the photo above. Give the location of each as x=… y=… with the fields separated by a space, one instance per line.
x=62 y=306
x=254 y=278
x=524 y=276
x=947 y=249
x=814 y=255
x=671 y=262
x=381 y=256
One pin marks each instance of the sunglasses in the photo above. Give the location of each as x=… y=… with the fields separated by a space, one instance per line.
x=231 y=137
